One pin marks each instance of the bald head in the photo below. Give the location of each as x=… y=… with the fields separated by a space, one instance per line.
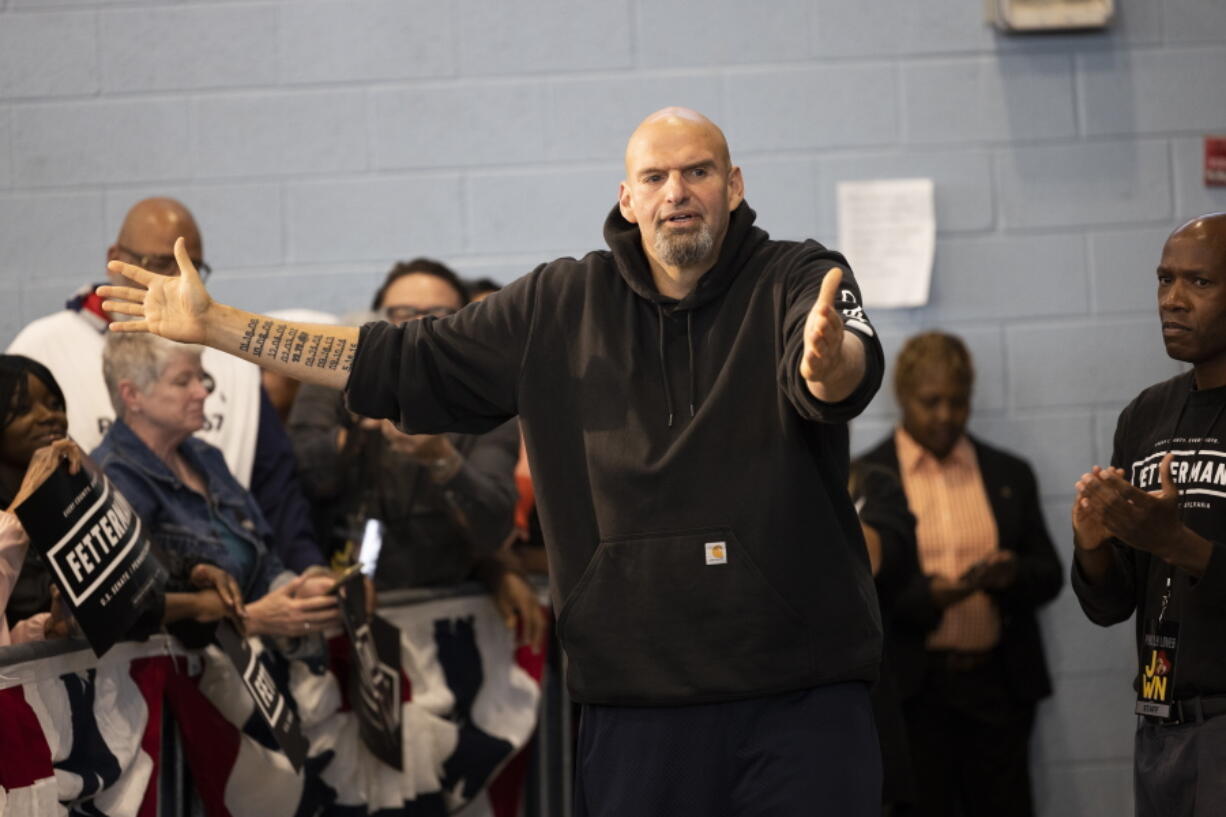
x=149 y=231
x=673 y=124
x=1209 y=230
x=151 y=220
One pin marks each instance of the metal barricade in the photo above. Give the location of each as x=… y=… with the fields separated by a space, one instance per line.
x=548 y=787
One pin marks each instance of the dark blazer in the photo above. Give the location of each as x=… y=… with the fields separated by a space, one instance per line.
x=1014 y=497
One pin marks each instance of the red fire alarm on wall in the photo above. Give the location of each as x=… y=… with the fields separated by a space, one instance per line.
x=1215 y=161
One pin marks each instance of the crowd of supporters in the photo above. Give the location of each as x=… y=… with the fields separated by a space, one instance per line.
x=257 y=496
x=958 y=584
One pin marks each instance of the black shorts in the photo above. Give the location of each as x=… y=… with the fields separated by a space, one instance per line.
x=798 y=753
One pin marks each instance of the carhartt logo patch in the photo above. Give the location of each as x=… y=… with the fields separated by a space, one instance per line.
x=717 y=553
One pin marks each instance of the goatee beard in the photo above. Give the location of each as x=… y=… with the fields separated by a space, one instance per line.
x=684 y=249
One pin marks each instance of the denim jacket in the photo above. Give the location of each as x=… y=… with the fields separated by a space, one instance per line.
x=180 y=521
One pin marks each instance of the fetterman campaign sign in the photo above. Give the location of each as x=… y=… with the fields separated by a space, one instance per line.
x=374 y=672
x=98 y=555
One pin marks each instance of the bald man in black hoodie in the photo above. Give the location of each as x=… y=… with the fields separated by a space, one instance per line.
x=684 y=398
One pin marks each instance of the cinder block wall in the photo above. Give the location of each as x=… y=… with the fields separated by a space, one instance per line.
x=318 y=141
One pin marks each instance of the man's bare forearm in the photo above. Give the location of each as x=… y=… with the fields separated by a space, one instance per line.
x=312 y=353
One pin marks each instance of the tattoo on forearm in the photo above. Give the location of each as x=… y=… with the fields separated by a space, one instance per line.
x=313 y=351
x=277 y=336
x=299 y=346
x=245 y=345
x=338 y=351
x=262 y=338
x=287 y=344
x=273 y=340
x=325 y=353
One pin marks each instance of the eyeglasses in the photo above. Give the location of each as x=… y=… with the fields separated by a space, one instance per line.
x=400 y=314
x=164 y=264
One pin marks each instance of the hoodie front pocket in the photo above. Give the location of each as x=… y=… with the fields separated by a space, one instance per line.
x=671 y=617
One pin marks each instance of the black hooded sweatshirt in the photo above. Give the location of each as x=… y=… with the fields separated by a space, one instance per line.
x=692 y=493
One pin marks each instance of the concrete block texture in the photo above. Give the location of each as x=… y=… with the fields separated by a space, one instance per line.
x=1075 y=645
x=1088 y=718
x=501 y=268
x=553 y=212
x=47 y=55
x=1083 y=363
x=983 y=99
x=472 y=124
x=154 y=49
x=494 y=37
x=1153 y=91
x=344 y=290
x=731 y=33
x=783 y=193
x=44 y=297
x=1105 y=421
x=1084 y=790
x=811 y=108
x=61 y=4
x=399 y=218
x=1122 y=270
x=104 y=141
x=1193 y=21
x=1056 y=467
x=860 y=28
x=962 y=181
x=867 y=432
x=51 y=236
x=1099 y=183
x=6 y=144
x=278 y=133
x=348 y=41
x=592 y=117
x=1192 y=197
x=240 y=224
x=1008 y=277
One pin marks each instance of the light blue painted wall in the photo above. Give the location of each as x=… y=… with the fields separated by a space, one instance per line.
x=317 y=141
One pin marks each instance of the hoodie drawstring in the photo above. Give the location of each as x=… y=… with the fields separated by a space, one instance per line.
x=668 y=389
x=689 y=337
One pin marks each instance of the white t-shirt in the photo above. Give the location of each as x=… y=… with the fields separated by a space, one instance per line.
x=70 y=345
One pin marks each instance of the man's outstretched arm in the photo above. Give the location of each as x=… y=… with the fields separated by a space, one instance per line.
x=179 y=308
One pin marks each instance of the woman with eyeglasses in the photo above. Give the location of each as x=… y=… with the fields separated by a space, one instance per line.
x=179 y=485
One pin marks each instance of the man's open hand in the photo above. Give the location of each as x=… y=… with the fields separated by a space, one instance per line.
x=167 y=305
x=832 y=362
x=823 y=332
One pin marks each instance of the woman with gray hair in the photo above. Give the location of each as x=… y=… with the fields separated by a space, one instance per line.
x=193 y=508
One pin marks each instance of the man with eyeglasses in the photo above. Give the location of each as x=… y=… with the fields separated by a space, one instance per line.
x=238 y=418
